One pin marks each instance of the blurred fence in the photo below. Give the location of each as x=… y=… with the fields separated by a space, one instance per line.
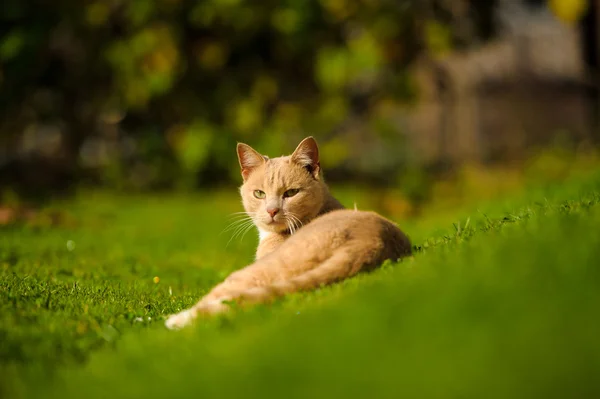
x=515 y=92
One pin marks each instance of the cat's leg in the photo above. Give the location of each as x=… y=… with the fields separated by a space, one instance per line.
x=339 y=266
x=186 y=317
x=209 y=304
x=251 y=276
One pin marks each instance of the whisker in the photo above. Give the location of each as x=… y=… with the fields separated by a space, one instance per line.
x=244 y=227
x=233 y=214
x=233 y=225
x=246 y=231
x=297 y=226
x=240 y=219
x=288 y=224
x=244 y=213
x=239 y=225
x=296 y=221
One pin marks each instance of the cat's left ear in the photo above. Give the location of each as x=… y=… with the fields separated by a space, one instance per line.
x=249 y=159
x=307 y=155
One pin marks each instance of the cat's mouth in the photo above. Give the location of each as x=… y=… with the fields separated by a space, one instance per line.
x=282 y=223
x=275 y=224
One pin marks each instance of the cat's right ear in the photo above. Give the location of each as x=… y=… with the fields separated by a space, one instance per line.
x=249 y=159
x=307 y=156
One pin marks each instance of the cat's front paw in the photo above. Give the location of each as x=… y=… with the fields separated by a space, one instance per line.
x=181 y=319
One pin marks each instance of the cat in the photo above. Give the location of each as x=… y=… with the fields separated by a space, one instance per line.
x=306 y=237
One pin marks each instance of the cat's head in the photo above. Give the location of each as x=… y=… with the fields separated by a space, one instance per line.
x=282 y=193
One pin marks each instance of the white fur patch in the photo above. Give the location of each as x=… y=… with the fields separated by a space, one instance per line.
x=262 y=234
x=180 y=320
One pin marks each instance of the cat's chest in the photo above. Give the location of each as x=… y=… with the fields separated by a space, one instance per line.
x=268 y=242
x=263 y=235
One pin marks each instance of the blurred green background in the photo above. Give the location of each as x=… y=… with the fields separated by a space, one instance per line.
x=147 y=95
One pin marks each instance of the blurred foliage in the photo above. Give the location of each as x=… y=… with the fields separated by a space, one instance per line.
x=156 y=93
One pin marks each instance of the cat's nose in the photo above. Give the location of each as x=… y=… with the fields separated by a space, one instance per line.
x=272 y=211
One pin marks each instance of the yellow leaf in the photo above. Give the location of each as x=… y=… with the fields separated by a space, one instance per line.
x=569 y=11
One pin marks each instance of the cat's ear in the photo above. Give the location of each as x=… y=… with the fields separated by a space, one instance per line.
x=249 y=159
x=307 y=155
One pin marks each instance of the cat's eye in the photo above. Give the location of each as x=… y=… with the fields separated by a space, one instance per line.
x=290 y=193
x=259 y=194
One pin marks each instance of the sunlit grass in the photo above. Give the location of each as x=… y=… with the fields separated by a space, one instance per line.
x=500 y=300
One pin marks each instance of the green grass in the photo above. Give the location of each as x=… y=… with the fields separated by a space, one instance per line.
x=501 y=300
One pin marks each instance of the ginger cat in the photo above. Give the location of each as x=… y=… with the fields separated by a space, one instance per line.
x=307 y=238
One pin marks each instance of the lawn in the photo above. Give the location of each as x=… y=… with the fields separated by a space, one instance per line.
x=501 y=300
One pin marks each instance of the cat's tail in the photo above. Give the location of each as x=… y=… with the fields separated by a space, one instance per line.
x=335 y=268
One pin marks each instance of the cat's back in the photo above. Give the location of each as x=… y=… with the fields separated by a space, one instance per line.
x=344 y=219
x=360 y=232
